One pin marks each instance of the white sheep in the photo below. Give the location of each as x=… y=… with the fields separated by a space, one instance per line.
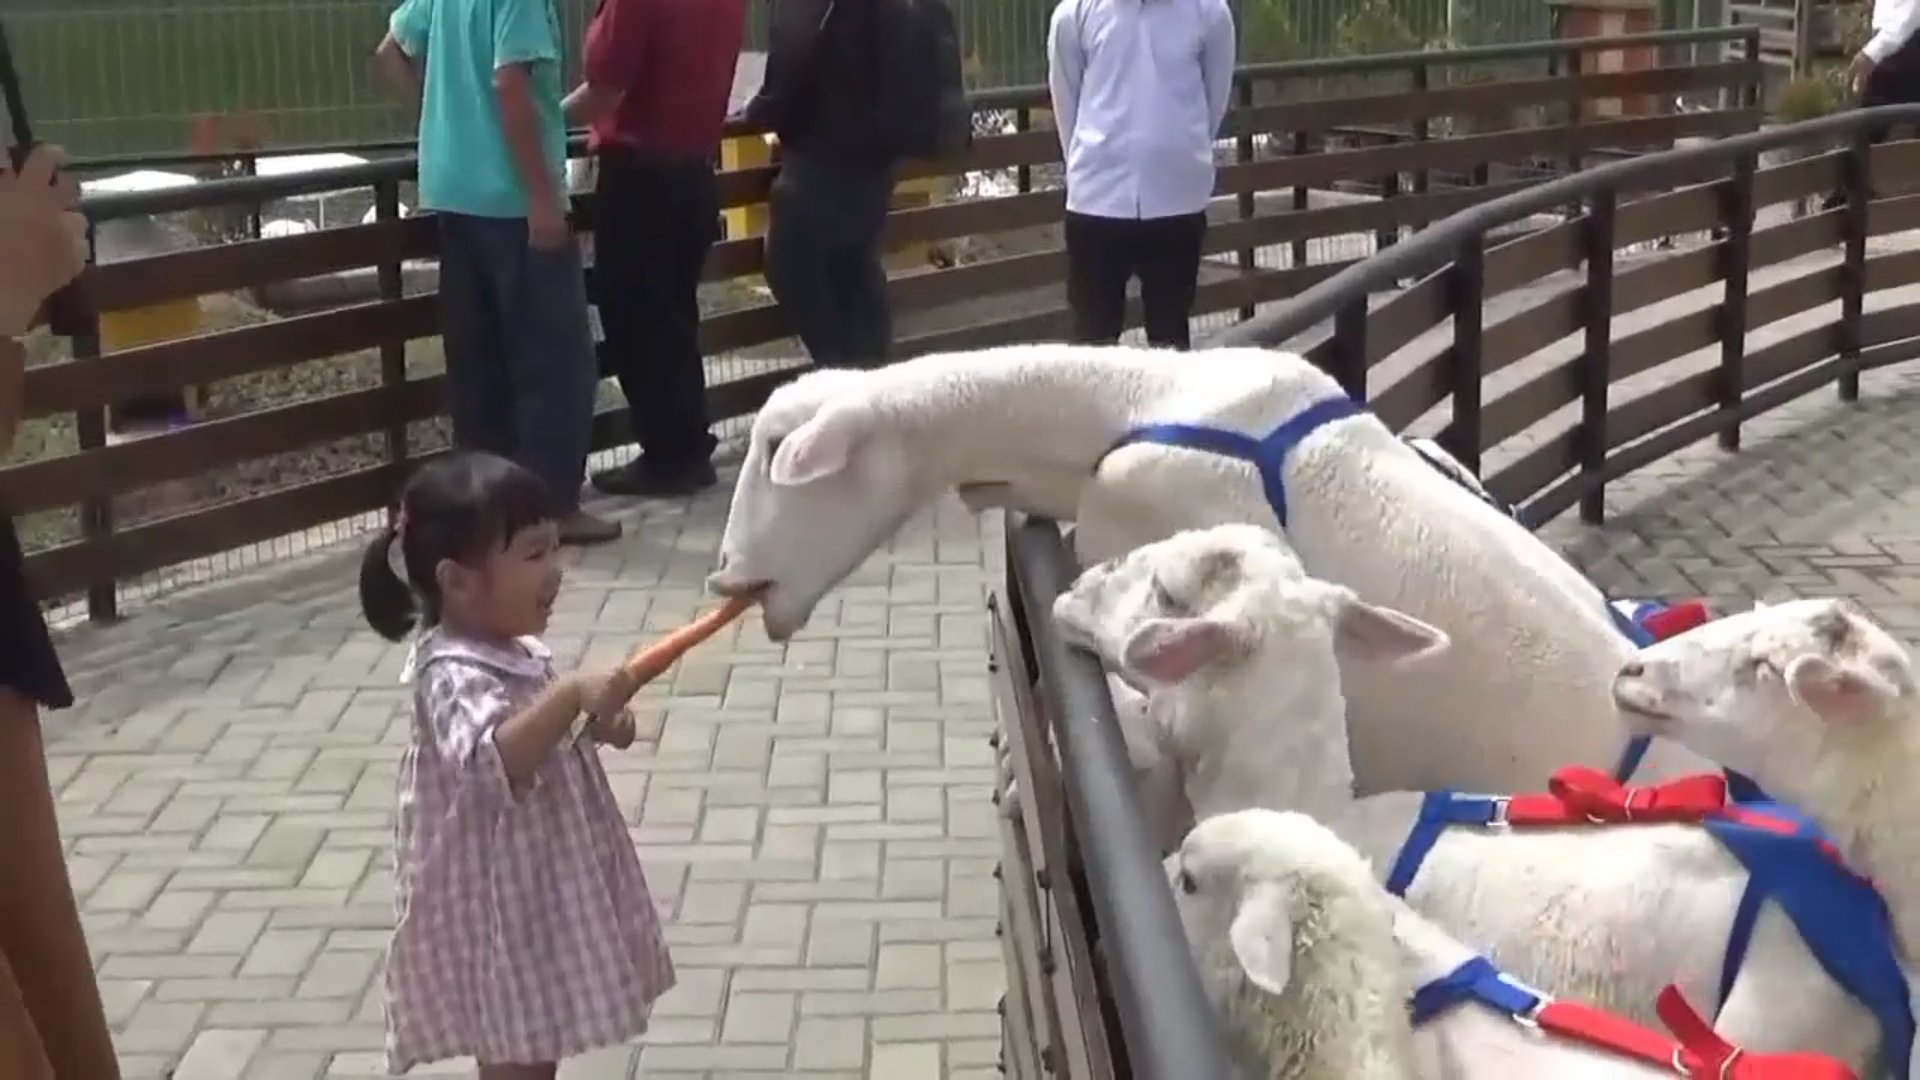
x=838 y=460
x=1312 y=967
x=1265 y=727
x=1818 y=704
x=1237 y=650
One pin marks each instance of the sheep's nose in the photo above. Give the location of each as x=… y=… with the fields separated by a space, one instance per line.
x=1633 y=669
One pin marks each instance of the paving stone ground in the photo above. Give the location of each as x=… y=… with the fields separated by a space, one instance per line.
x=817 y=815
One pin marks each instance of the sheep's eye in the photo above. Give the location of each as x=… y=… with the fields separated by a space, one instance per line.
x=1187 y=884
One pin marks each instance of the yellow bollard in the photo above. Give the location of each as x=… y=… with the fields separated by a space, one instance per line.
x=746 y=152
x=152 y=325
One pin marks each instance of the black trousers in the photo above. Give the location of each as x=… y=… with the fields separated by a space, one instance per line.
x=1103 y=253
x=656 y=218
x=1895 y=81
x=823 y=256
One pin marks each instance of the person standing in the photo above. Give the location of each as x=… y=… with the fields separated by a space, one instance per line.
x=52 y=1024
x=1886 y=70
x=659 y=78
x=513 y=307
x=830 y=198
x=1139 y=89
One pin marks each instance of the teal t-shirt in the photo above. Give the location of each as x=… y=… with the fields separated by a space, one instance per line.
x=465 y=167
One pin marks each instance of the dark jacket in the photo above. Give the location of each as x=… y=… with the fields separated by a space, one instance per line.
x=819 y=86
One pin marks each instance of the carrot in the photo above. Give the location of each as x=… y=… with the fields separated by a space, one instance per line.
x=649 y=661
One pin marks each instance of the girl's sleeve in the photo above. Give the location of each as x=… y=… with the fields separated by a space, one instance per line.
x=463 y=704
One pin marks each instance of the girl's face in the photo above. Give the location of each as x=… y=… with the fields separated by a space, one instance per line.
x=512 y=594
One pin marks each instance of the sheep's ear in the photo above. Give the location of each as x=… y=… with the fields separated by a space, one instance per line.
x=1377 y=634
x=821 y=446
x=1262 y=940
x=1171 y=650
x=1838 y=693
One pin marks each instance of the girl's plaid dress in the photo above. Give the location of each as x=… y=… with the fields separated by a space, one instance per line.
x=525 y=931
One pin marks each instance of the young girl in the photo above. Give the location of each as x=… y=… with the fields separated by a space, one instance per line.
x=525 y=929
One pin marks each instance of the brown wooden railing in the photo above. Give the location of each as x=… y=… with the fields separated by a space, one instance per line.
x=1368 y=149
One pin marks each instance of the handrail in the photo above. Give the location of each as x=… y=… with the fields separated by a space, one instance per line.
x=1436 y=245
x=1171 y=1032
x=1352 y=65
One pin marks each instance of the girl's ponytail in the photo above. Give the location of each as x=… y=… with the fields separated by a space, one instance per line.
x=386 y=600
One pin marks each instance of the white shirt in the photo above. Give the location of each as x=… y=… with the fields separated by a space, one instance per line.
x=1894 y=22
x=1139 y=89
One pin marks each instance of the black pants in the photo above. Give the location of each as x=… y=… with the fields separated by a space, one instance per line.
x=823 y=257
x=520 y=378
x=1895 y=81
x=656 y=218
x=1103 y=253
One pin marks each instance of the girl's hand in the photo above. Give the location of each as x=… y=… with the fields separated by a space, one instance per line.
x=617 y=732
x=604 y=694
x=46 y=237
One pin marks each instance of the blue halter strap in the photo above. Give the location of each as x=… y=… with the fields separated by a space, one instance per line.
x=1267 y=454
x=1476 y=980
x=1839 y=915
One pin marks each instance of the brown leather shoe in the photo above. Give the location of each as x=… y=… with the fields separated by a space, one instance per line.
x=582 y=529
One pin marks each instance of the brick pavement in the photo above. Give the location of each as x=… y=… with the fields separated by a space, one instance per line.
x=817 y=817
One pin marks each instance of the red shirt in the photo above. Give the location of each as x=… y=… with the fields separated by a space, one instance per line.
x=671 y=62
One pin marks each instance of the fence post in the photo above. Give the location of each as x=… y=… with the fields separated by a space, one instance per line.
x=90 y=433
x=1422 y=130
x=1299 y=149
x=1023 y=174
x=1855 y=175
x=1596 y=360
x=1243 y=153
x=1576 y=109
x=1350 y=349
x=1736 y=221
x=250 y=166
x=1466 y=301
x=1756 y=75
x=393 y=354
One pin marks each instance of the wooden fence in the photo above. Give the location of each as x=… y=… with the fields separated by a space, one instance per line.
x=1410 y=139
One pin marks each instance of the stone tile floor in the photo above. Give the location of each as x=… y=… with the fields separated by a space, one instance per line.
x=817 y=816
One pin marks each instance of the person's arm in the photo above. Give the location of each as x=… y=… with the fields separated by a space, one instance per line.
x=522 y=38
x=1066 y=67
x=793 y=60
x=615 y=48
x=405 y=46
x=1216 y=64
x=525 y=739
x=520 y=127
x=1887 y=41
x=475 y=725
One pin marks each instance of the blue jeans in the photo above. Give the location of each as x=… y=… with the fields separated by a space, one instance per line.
x=520 y=365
